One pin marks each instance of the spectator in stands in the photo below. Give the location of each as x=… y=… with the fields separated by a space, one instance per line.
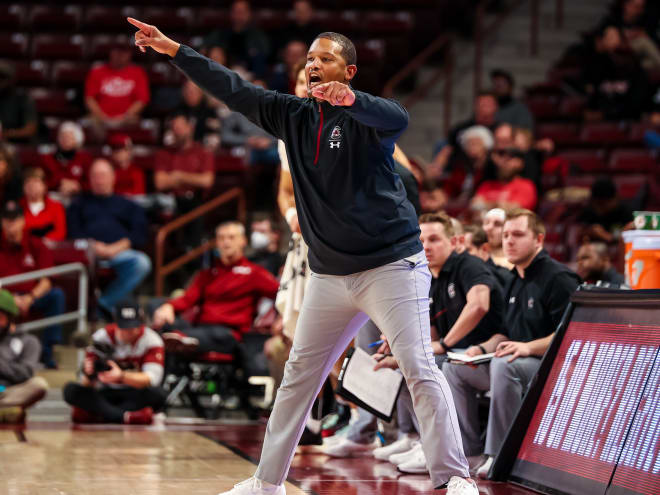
x=10 y=180
x=510 y=110
x=638 y=22
x=22 y=253
x=476 y=143
x=129 y=178
x=116 y=92
x=493 y=223
x=127 y=389
x=44 y=217
x=476 y=243
x=265 y=242
x=247 y=44
x=535 y=300
x=237 y=130
x=67 y=168
x=187 y=171
x=485 y=111
x=614 y=81
x=19 y=355
x=195 y=105
x=18 y=114
x=466 y=309
x=302 y=27
x=283 y=77
x=605 y=216
x=510 y=189
x=594 y=265
x=225 y=296
x=115 y=227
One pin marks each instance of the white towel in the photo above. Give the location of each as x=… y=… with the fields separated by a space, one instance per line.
x=293 y=282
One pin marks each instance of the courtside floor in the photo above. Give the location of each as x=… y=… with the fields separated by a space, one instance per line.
x=57 y=458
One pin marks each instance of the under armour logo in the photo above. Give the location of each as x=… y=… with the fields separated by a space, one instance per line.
x=334 y=144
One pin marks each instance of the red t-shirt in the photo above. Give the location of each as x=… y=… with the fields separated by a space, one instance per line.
x=228 y=295
x=32 y=254
x=129 y=181
x=49 y=222
x=519 y=191
x=115 y=90
x=193 y=159
x=75 y=169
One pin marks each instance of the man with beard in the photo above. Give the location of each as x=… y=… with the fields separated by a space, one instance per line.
x=535 y=301
x=364 y=248
x=19 y=356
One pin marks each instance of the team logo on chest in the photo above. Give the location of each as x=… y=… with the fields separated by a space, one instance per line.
x=451 y=290
x=28 y=260
x=335 y=137
x=530 y=303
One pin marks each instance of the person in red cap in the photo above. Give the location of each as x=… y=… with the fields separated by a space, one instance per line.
x=129 y=178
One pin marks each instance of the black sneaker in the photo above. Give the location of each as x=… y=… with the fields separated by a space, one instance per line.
x=309 y=438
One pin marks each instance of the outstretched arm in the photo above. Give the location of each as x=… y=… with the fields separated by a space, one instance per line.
x=267 y=109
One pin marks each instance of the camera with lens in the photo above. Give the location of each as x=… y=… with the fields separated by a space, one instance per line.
x=102 y=352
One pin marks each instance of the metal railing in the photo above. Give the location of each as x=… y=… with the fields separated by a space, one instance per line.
x=162 y=269
x=83 y=283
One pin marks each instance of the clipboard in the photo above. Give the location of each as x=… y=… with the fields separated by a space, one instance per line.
x=370 y=380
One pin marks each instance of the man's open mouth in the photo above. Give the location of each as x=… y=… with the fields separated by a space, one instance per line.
x=314 y=79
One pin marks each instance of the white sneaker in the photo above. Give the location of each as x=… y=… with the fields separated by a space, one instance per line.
x=402 y=457
x=403 y=444
x=416 y=464
x=475 y=462
x=347 y=448
x=482 y=472
x=254 y=486
x=461 y=486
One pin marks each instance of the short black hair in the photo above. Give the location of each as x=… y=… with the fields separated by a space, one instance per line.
x=603 y=188
x=504 y=74
x=347 y=47
x=479 y=237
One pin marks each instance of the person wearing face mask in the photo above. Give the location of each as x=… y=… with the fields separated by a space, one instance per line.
x=264 y=243
x=67 y=168
x=19 y=357
x=18 y=114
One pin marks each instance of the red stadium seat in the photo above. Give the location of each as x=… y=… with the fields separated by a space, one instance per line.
x=58 y=46
x=630 y=186
x=70 y=74
x=161 y=74
x=544 y=107
x=56 y=102
x=370 y=51
x=572 y=107
x=34 y=73
x=386 y=23
x=208 y=20
x=13 y=45
x=100 y=45
x=271 y=20
x=563 y=134
x=12 y=17
x=344 y=22
x=546 y=88
x=633 y=160
x=172 y=20
x=588 y=161
x=230 y=161
x=146 y=132
x=604 y=134
x=51 y=18
x=143 y=157
x=29 y=156
x=99 y=19
x=638 y=130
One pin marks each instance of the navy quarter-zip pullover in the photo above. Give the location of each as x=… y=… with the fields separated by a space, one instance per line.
x=351 y=205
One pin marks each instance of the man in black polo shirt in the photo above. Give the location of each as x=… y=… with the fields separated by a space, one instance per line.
x=536 y=299
x=476 y=243
x=467 y=308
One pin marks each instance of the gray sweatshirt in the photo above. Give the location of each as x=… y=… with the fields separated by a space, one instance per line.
x=19 y=356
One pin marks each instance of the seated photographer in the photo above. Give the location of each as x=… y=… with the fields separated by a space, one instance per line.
x=225 y=297
x=122 y=373
x=535 y=301
x=19 y=355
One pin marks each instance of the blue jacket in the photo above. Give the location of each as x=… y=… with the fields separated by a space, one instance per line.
x=352 y=206
x=106 y=219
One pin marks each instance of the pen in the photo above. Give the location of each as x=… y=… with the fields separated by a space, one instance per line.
x=383 y=357
x=374 y=344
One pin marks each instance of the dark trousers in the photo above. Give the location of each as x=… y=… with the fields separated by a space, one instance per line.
x=212 y=338
x=52 y=303
x=112 y=403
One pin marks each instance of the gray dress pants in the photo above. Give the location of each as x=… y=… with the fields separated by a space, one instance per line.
x=507 y=383
x=395 y=297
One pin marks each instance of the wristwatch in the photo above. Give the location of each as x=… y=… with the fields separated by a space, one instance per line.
x=444 y=346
